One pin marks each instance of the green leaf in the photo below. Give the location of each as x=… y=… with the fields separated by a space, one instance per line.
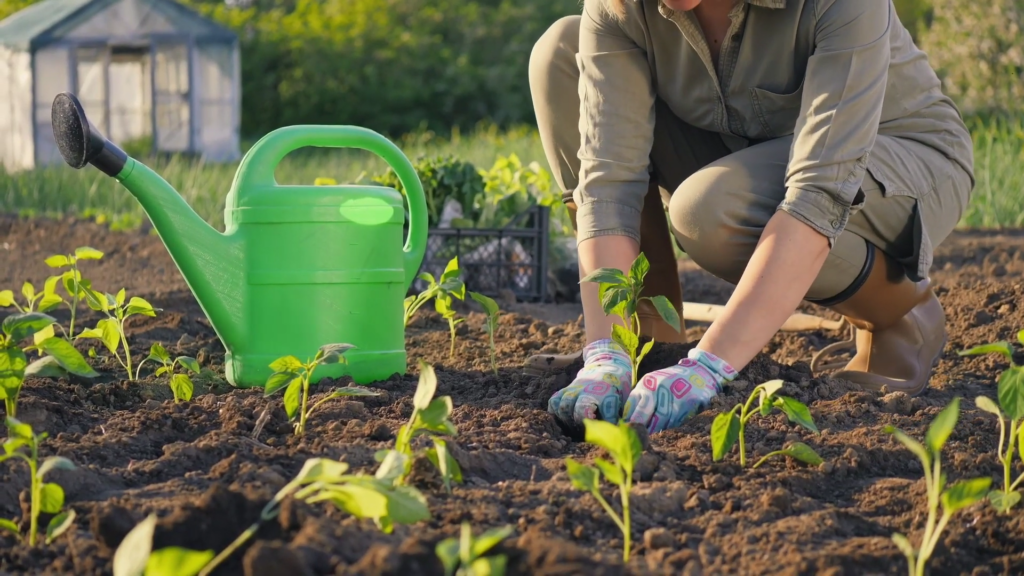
x=334 y=353
x=445 y=463
x=725 y=431
x=45 y=367
x=59 y=524
x=42 y=335
x=913 y=445
x=139 y=306
x=484 y=542
x=796 y=411
x=1002 y=501
x=769 y=389
x=392 y=467
x=1020 y=336
x=489 y=305
x=54 y=463
x=359 y=500
x=667 y=311
x=52 y=498
x=426 y=387
x=87 y=253
x=189 y=363
x=28 y=291
x=353 y=391
x=443 y=305
x=942 y=426
x=986 y=404
x=68 y=357
x=643 y=351
x=182 y=387
x=292 y=398
x=49 y=302
x=903 y=544
x=110 y=334
x=582 y=477
x=12 y=369
x=803 y=453
x=119 y=297
x=19 y=430
x=451 y=270
x=6 y=298
x=132 y=554
x=10 y=526
x=406 y=505
x=605 y=276
x=94 y=299
x=57 y=261
x=159 y=353
x=175 y=561
x=614 y=298
x=21 y=326
x=620 y=441
x=447 y=551
x=435 y=417
x=321 y=470
x=1011 y=392
x=625 y=338
x=640 y=267
x=287 y=364
x=277 y=381
x=1004 y=348
x=1020 y=442
x=612 y=473
x=489 y=566
x=963 y=494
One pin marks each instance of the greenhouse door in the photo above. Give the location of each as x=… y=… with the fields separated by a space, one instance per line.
x=172 y=109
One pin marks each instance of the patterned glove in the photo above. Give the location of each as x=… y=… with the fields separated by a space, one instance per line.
x=598 y=387
x=666 y=398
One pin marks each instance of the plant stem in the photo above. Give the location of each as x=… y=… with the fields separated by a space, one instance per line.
x=494 y=357
x=127 y=351
x=626 y=532
x=745 y=415
x=928 y=547
x=766 y=457
x=11 y=404
x=611 y=512
x=1008 y=461
x=451 y=327
x=37 y=494
x=74 y=298
x=305 y=401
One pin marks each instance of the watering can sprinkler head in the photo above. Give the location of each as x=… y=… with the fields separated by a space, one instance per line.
x=80 y=143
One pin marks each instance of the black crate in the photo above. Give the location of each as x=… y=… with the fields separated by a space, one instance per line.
x=513 y=258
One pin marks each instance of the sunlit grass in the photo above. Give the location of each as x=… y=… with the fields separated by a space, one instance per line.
x=998 y=197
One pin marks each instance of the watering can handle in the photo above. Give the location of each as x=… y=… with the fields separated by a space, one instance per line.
x=258 y=166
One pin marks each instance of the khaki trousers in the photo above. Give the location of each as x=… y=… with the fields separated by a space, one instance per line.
x=719 y=201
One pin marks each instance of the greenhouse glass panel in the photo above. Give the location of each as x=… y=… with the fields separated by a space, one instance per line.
x=52 y=76
x=171 y=97
x=92 y=85
x=131 y=119
x=217 y=99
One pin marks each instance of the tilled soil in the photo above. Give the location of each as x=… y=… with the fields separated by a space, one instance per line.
x=198 y=466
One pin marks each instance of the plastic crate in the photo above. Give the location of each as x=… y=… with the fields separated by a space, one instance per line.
x=513 y=258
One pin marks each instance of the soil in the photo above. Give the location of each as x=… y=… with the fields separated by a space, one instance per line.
x=199 y=468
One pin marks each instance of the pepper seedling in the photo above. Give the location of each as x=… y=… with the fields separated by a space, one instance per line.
x=464 y=556
x=730 y=427
x=44 y=301
x=293 y=376
x=72 y=279
x=181 y=384
x=135 y=555
x=45 y=497
x=491 y=324
x=1010 y=392
x=443 y=305
x=59 y=356
x=110 y=330
x=450 y=284
x=620 y=296
x=953 y=499
x=623 y=444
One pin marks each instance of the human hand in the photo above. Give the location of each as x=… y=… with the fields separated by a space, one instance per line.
x=597 y=389
x=666 y=398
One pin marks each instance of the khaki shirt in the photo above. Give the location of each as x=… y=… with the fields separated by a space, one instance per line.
x=835 y=74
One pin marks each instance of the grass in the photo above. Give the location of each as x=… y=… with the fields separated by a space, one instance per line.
x=997 y=201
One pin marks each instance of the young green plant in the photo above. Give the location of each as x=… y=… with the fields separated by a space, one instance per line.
x=443 y=303
x=1010 y=409
x=953 y=499
x=45 y=497
x=110 y=330
x=620 y=296
x=623 y=444
x=44 y=301
x=72 y=279
x=58 y=355
x=491 y=325
x=293 y=376
x=464 y=556
x=135 y=555
x=448 y=286
x=730 y=427
x=181 y=384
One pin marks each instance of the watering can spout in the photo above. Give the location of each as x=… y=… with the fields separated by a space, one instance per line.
x=211 y=263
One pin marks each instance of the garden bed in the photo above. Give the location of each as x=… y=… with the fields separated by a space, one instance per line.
x=198 y=467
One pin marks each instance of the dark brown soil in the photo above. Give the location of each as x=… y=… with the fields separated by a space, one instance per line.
x=198 y=467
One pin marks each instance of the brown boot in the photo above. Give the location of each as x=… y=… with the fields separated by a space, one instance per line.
x=900 y=328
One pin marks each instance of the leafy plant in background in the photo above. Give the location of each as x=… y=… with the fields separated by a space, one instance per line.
x=620 y=296
x=510 y=188
x=181 y=384
x=728 y=427
x=293 y=376
x=623 y=444
x=449 y=285
x=45 y=497
x=444 y=178
x=72 y=279
x=464 y=556
x=44 y=301
x=58 y=355
x=1011 y=399
x=491 y=324
x=953 y=499
x=110 y=330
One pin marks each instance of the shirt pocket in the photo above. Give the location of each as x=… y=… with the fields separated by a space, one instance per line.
x=776 y=113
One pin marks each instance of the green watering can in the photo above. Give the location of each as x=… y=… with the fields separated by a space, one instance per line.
x=297 y=266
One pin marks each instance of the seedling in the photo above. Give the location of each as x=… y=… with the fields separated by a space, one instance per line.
x=491 y=325
x=464 y=556
x=620 y=296
x=443 y=305
x=135 y=555
x=293 y=376
x=181 y=384
x=429 y=416
x=728 y=427
x=44 y=301
x=450 y=284
x=953 y=499
x=110 y=330
x=623 y=444
x=72 y=279
x=1011 y=400
x=58 y=355
x=46 y=497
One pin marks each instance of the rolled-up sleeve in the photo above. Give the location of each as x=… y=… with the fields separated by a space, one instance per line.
x=616 y=126
x=841 y=107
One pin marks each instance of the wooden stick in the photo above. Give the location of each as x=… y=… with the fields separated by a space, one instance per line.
x=798 y=322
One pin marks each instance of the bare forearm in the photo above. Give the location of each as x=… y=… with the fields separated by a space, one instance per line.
x=602 y=252
x=785 y=263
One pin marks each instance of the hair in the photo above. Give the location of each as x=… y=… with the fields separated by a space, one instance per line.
x=616 y=7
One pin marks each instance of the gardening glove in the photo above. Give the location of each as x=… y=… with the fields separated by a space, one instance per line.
x=598 y=387
x=666 y=398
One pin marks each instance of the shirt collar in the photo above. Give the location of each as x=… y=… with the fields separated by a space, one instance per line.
x=768 y=3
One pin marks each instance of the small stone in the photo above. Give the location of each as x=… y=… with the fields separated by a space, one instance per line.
x=656 y=538
x=981 y=318
x=827 y=467
x=1005 y=309
x=185 y=340
x=897 y=403
x=716 y=482
x=708 y=552
x=152 y=404
x=377 y=431
x=701 y=499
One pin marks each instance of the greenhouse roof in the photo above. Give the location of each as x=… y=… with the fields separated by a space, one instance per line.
x=49 y=20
